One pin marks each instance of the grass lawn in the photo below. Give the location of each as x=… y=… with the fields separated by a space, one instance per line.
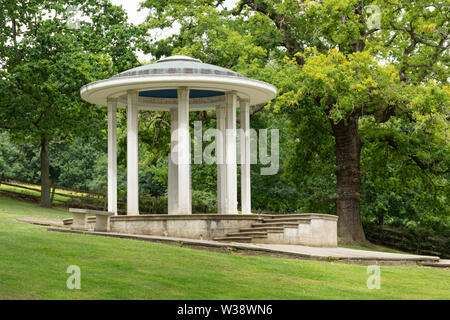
x=61 y=196
x=37 y=193
x=33 y=264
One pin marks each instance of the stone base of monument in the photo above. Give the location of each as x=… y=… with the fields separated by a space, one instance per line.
x=318 y=230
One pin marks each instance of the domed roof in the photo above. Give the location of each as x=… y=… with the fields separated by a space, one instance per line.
x=157 y=85
x=179 y=65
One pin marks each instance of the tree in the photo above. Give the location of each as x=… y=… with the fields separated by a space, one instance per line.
x=44 y=63
x=370 y=83
x=335 y=64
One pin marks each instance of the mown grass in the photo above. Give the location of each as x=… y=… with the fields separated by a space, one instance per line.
x=37 y=193
x=33 y=264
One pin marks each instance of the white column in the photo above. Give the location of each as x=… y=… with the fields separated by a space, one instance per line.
x=220 y=159
x=132 y=155
x=112 y=155
x=172 y=188
x=183 y=155
x=245 y=157
x=230 y=153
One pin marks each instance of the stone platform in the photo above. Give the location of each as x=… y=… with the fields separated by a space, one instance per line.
x=330 y=254
x=319 y=230
x=343 y=255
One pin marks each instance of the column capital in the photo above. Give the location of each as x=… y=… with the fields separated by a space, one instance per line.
x=231 y=92
x=220 y=112
x=132 y=91
x=111 y=100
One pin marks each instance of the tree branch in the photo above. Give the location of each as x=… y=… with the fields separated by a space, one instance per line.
x=281 y=22
x=422 y=165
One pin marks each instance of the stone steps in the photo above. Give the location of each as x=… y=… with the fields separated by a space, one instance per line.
x=253 y=234
x=258 y=232
x=276 y=224
x=289 y=216
x=288 y=220
x=267 y=229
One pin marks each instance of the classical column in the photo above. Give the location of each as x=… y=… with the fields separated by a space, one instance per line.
x=230 y=153
x=245 y=157
x=183 y=153
x=220 y=159
x=172 y=188
x=112 y=155
x=132 y=155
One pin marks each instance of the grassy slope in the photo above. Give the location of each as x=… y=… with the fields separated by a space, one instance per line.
x=33 y=265
x=59 y=199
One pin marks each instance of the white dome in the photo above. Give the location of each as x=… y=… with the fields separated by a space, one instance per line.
x=157 y=84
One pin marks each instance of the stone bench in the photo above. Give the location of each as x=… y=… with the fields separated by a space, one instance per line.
x=80 y=217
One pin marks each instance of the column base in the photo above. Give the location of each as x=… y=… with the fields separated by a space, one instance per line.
x=230 y=212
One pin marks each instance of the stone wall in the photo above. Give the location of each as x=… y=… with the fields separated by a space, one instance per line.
x=312 y=229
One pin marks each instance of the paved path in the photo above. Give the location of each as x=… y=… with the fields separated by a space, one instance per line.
x=346 y=253
x=443 y=263
x=340 y=252
x=43 y=221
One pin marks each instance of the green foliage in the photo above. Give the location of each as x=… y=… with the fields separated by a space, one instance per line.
x=42 y=91
x=44 y=61
x=413 y=238
x=80 y=165
x=19 y=162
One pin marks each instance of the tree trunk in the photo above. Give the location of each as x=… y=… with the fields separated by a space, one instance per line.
x=53 y=188
x=380 y=218
x=45 y=174
x=348 y=151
